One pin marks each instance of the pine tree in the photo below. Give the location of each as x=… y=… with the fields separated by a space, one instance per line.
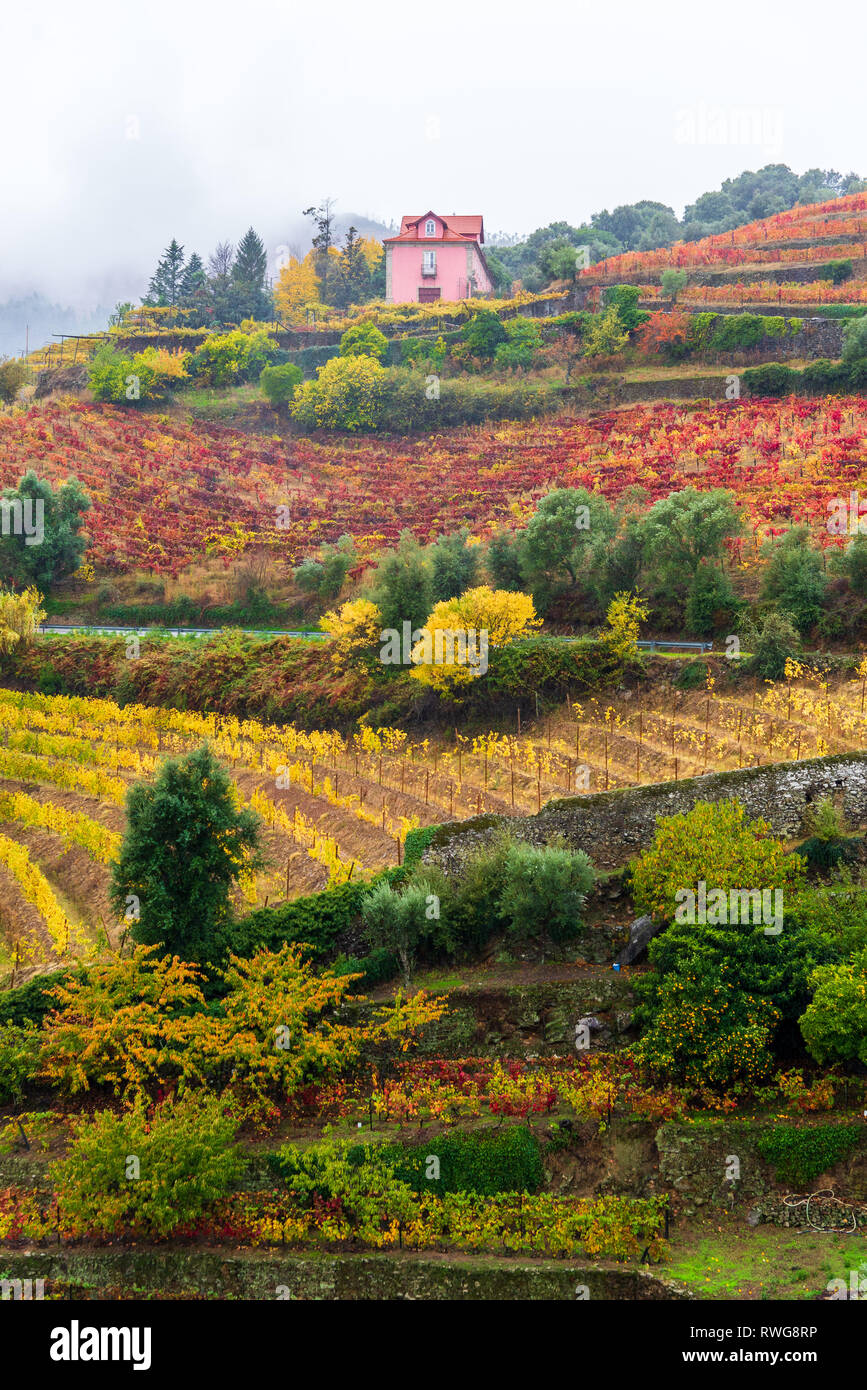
x=165 y=287
x=193 y=278
x=249 y=277
x=353 y=282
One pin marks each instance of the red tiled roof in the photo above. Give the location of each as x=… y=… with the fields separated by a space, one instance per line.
x=467 y=228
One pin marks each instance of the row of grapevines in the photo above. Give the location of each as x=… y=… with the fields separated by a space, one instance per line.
x=97 y=840
x=36 y=889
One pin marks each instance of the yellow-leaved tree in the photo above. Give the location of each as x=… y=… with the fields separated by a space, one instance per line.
x=20 y=617
x=297 y=286
x=625 y=612
x=372 y=251
x=460 y=631
x=356 y=628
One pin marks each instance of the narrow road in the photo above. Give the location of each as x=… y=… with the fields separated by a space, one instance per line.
x=116 y=631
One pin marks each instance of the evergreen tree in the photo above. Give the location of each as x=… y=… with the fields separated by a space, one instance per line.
x=353 y=280
x=193 y=279
x=249 y=277
x=185 y=845
x=164 y=290
x=40 y=537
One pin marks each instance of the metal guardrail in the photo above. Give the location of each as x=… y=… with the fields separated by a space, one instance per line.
x=118 y=630
x=112 y=630
x=652 y=645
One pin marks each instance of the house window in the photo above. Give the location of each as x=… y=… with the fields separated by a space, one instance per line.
x=428 y=262
x=430 y=227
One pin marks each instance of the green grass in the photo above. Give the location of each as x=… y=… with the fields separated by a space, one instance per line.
x=723 y=1258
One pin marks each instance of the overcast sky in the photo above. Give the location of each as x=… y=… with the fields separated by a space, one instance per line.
x=127 y=124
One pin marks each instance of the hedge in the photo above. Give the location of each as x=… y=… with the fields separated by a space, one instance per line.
x=31 y=1002
x=803 y=1153
x=819 y=378
x=550 y=665
x=503 y=1160
x=507 y=1160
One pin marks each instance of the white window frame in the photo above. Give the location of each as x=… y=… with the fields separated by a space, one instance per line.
x=428 y=262
x=430 y=227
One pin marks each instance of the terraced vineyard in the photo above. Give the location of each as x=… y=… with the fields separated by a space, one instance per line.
x=756 y=259
x=338 y=808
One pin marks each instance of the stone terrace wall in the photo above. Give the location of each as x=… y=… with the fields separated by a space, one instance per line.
x=613 y=826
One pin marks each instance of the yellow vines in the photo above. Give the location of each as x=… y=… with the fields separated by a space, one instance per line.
x=36 y=889
x=67 y=775
x=320 y=847
x=101 y=844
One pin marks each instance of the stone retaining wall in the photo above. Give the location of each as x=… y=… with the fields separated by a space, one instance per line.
x=221 y=1274
x=613 y=826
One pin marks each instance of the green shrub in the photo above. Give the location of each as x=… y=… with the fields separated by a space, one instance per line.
x=317 y=920
x=824 y=377
x=836 y=271
x=711 y=602
x=823 y=854
x=364 y=340
x=834 y=1024
x=771 y=645
x=135 y=379
x=734 y=331
x=624 y=298
x=505 y=1160
x=772 y=379
x=701 y=327
x=416 y=842
x=855 y=339
x=543 y=891
x=411 y=401
x=28 y=1004
x=692 y=675
x=483 y=334
x=375 y=968
x=186 y=1160
x=794 y=577
x=279 y=383
x=802 y=1153
x=228 y=359
x=345 y=395
x=19 y=1060
x=13 y=374
x=672 y=282
x=523 y=340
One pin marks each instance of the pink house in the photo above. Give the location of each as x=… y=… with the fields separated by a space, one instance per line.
x=436 y=257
